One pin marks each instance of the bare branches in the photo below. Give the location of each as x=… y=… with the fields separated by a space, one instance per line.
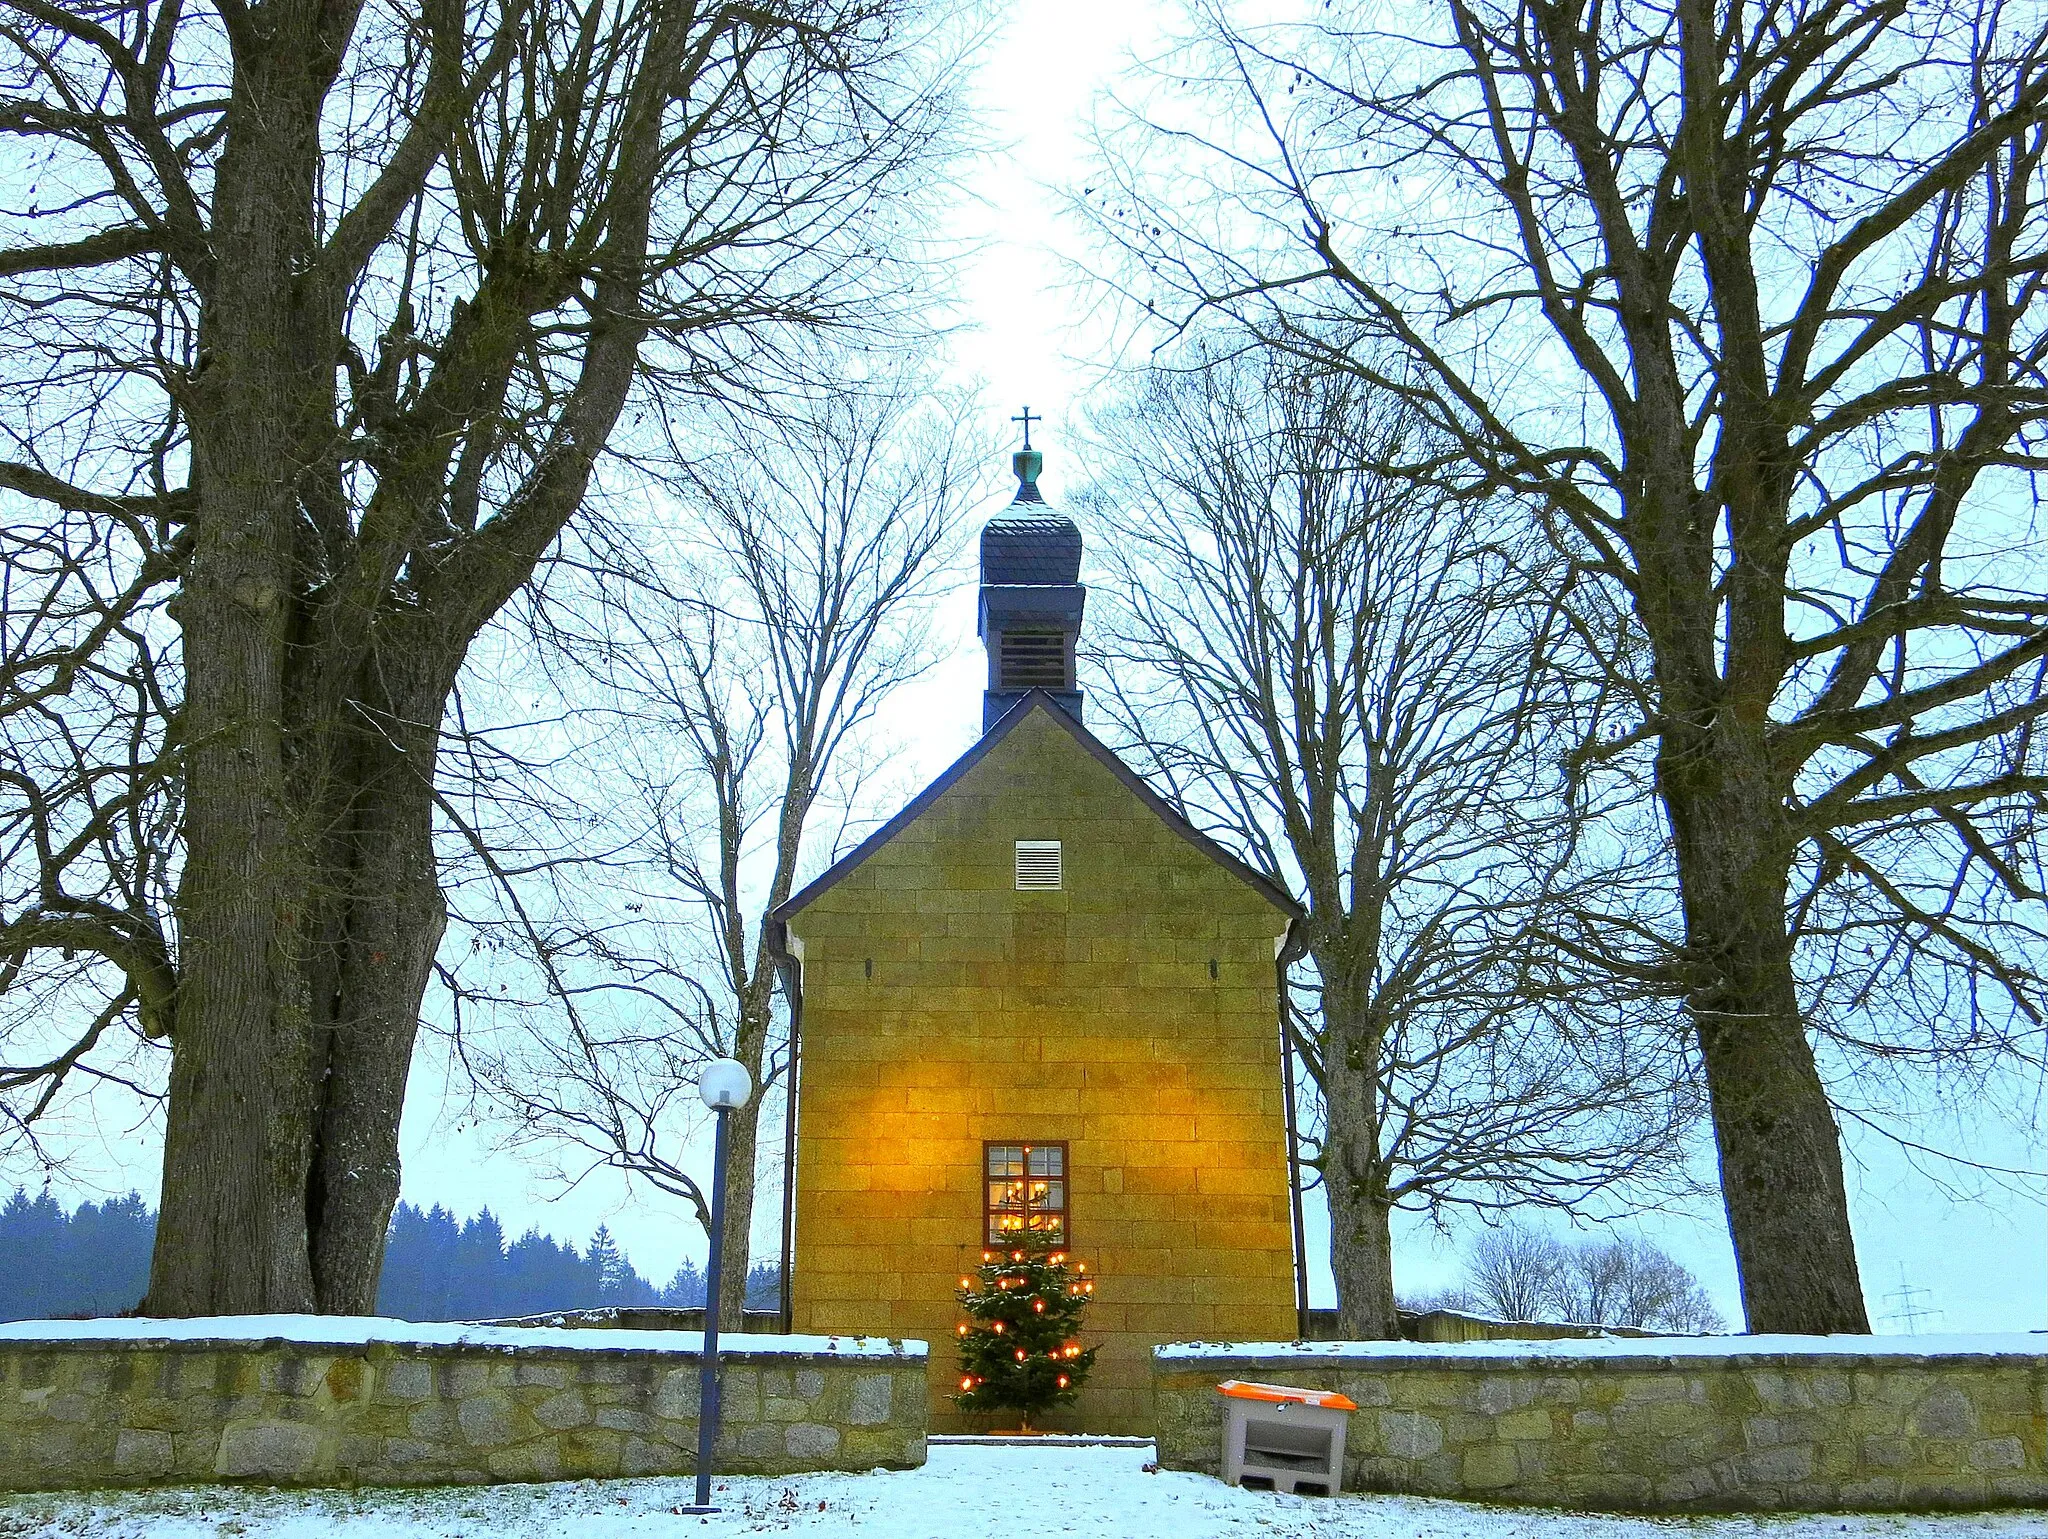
x=1746 y=302
x=89 y=793
x=445 y=102
x=93 y=251
x=323 y=326
x=1519 y=1272
x=732 y=666
x=31 y=481
x=1358 y=678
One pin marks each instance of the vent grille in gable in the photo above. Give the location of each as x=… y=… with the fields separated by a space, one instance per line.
x=1038 y=864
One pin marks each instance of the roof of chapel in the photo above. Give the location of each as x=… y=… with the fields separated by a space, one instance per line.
x=1035 y=701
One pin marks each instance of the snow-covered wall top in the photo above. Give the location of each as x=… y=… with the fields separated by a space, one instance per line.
x=356 y=1331
x=1616 y=1349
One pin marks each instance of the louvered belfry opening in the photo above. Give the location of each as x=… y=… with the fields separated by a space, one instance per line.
x=1034 y=660
x=1031 y=598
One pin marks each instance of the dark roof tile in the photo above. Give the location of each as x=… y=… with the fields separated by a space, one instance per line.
x=1020 y=547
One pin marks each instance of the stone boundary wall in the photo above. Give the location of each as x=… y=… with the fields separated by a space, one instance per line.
x=425 y=1406
x=1677 y=1425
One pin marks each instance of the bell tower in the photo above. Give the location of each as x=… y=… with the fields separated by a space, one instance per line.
x=1031 y=595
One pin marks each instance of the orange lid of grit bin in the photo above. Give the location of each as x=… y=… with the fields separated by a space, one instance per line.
x=1286 y=1394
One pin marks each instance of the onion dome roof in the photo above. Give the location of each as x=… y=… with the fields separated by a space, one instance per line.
x=1029 y=543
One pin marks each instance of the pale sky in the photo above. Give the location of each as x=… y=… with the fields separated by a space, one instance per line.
x=1034 y=339
x=1980 y=1265
x=1025 y=337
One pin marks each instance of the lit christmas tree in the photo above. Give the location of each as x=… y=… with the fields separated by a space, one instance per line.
x=1018 y=1352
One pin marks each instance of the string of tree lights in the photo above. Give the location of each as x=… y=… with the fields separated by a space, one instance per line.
x=1018 y=1350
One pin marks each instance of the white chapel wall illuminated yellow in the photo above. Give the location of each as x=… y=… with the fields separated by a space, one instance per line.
x=943 y=1008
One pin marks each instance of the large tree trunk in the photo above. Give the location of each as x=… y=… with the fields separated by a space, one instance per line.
x=744 y=1134
x=1361 y=1241
x=231 y=1228
x=1774 y=1129
x=322 y=627
x=392 y=939
x=743 y=1149
x=375 y=915
x=393 y=925
x=1354 y=1166
x=309 y=910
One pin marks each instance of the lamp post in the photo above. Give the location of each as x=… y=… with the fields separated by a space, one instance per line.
x=725 y=1086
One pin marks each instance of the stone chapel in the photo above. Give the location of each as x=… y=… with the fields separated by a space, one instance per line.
x=1039 y=998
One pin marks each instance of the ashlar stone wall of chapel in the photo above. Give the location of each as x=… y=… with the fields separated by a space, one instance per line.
x=943 y=1008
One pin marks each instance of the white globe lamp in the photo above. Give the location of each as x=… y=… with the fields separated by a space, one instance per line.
x=725 y=1084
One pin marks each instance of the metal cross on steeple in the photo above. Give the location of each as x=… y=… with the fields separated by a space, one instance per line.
x=1027 y=419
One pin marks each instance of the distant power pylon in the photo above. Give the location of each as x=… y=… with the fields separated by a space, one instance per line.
x=1909 y=1312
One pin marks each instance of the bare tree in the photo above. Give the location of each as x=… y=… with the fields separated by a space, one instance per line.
x=1521 y=1272
x=1334 y=668
x=1745 y=299
x=1622 y=1279
x=322 y=315
x=735 y=676
x=1513 y=1272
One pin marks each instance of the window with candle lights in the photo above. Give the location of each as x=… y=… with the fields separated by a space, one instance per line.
x=1026 y=1193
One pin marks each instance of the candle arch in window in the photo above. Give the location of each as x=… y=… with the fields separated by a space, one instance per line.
x=1025 y=1193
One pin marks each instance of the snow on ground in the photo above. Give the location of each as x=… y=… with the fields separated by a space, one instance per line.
x=1622 y=1348
x=965 y=1492
x=355 y=1331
